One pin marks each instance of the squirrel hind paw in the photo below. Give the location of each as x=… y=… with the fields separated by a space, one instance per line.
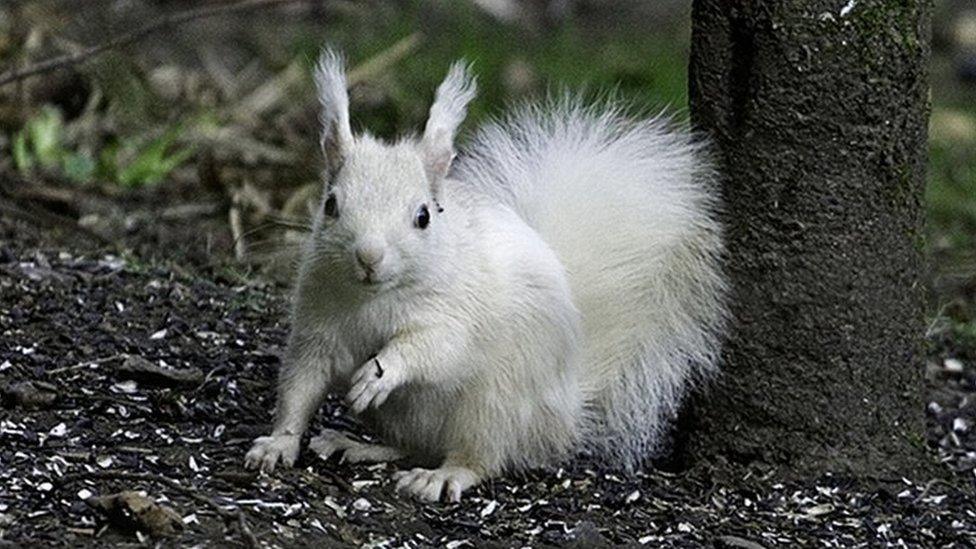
x=330 y=442
x=433 y=485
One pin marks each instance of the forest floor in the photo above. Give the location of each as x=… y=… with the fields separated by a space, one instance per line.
x=124 y=370
x=138 y=357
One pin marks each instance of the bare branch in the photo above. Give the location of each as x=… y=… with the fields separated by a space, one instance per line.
x=127 y=38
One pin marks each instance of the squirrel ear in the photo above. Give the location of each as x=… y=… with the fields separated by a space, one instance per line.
x=330 y=79
x=446 y=114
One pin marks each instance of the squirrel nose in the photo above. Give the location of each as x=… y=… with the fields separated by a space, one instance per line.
x=369 y=256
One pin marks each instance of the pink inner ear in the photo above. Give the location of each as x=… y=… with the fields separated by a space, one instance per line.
x=335 y=142
x=438 y=164
x=438 y=153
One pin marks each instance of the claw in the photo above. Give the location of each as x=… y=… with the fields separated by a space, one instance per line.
x=330 y=442
x=266 y=452
x=433 y=485
x=372 y=385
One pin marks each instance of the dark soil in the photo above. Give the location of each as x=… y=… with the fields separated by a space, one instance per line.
x=152 y=372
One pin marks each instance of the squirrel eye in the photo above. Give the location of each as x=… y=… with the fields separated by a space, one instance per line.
x=423 y=217
x=331 y=209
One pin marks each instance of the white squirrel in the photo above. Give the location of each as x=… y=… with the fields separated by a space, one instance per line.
x=556 y=288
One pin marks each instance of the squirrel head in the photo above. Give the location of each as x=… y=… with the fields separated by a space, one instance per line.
x=379 y=223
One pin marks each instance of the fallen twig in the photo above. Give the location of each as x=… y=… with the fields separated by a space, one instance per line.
x=270 y=94
x=237 y=139
x=83 y=364
x=928 y=487
x=380 y=62
x=337 y=480
x=188 y=491
x=132 y=36
x=33 y=212
x=237 y=226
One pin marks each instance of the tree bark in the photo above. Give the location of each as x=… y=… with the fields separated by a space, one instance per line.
x=818 y=110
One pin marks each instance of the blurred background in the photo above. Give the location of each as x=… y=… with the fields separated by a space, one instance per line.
x=194 y=141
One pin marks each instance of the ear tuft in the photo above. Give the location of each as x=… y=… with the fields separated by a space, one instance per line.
x=330 y=79
x=446 y=114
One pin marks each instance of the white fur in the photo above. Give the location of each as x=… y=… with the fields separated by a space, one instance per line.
x=330 y=79
x=446 y=114
x=629 y=206
x=568 y=293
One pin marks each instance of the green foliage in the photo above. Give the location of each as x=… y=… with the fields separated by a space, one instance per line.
x=44 y=133
x=78 y=167
x=41 y=144
x=951 y=193
x=21 y=152
x=151 y=161
x=965 y=333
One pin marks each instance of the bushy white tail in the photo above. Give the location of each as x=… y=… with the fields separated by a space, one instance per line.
x=630 y=209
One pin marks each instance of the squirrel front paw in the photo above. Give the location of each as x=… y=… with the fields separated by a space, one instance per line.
x=373 y=383
x=267 y=451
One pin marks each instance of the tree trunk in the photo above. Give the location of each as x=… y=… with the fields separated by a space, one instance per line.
x=818 y=110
